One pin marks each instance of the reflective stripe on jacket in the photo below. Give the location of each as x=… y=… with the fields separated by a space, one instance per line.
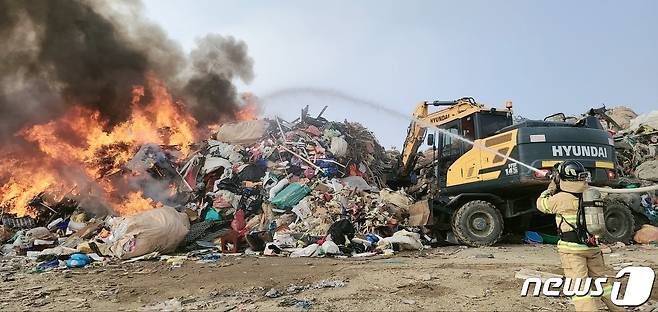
x=563 y=205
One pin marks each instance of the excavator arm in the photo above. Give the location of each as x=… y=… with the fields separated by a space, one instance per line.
x=422 y=118
x=415 y=137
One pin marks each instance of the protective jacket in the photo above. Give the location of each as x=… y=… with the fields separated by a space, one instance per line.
x=565 y=207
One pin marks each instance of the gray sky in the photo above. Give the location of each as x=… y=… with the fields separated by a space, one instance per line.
x=545 y=56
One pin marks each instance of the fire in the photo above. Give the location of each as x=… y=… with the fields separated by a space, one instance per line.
x=22 y=186
x=77 y=148
x=248 y=112
x=251 y=108
x=135 y=203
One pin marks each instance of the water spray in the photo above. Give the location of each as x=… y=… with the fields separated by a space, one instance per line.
x=339 y=95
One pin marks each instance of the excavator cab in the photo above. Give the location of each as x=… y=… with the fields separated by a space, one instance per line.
x=471 y=127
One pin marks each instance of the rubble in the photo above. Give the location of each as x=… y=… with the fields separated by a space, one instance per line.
x=310 y=187
x=636 y=147
x=307 y=188
x=648 y=171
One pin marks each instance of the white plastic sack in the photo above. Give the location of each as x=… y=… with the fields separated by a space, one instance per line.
x=243 y=132
x=227 y=151
x=306 y=251
x=284 y=239
x=405 y=239
x=159 y=229
x=330 y=248
x=338 y=147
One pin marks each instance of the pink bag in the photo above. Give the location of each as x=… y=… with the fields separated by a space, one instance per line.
x=238 y=222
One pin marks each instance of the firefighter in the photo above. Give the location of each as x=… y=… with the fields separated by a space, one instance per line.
x=579 y=252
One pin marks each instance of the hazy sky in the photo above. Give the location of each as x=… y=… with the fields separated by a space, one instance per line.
x=545 y=56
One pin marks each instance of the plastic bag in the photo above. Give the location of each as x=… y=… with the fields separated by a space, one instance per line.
x=302 y=209
x=330 y=248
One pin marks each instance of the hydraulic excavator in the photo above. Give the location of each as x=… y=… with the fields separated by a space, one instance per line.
x=480 y=189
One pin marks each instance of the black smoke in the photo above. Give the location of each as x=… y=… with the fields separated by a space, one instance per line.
x=91 y=53
x=214 y=64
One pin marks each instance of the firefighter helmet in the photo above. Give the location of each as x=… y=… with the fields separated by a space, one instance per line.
x=572 y=170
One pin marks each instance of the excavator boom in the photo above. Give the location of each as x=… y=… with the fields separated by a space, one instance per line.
x=422 y=118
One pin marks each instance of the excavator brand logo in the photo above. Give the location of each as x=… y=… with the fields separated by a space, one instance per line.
x=579 y=151
x=440 y=118
x=637 y=292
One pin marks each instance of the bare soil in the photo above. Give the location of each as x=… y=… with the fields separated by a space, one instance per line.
x=446 y=278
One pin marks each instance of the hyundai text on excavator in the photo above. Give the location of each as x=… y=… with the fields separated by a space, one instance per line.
x=480 y=193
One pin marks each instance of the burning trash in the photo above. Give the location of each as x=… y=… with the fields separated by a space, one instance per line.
x=272 y=185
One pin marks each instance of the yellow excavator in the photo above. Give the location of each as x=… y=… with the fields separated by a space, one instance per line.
x=480 y=190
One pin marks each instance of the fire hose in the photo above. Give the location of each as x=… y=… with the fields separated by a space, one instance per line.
x=626 y=191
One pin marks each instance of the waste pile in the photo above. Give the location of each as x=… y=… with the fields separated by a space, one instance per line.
x=310 y=187
x=636 y=144
x=307 y=187
x=636 y=147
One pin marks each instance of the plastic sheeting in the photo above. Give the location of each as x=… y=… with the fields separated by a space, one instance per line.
x=291 y=195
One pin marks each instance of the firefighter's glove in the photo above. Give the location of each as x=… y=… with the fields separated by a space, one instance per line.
x=552 y=188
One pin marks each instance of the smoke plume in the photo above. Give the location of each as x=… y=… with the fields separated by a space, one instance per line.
x=91 y=53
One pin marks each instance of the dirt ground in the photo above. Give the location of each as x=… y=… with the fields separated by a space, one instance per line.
x=445 y=278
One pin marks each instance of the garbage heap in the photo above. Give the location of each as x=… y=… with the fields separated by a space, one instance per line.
x=636 y=144
x=310 y=184
x=310 y=187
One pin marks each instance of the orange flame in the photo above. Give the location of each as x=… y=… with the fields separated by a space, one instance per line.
x=76 y=147
x=134 y=203
x=248 y=112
